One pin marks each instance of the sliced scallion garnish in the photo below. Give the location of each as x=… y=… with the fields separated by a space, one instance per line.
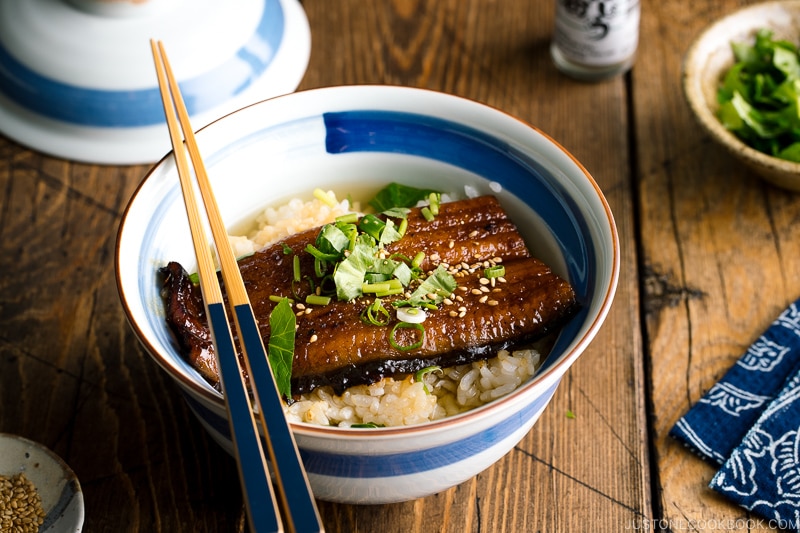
x=412 y=315
x=496 y=271
x=296 y=268
x=316 y=299
x=408 y=347
x=376 y=314
x=420 y=376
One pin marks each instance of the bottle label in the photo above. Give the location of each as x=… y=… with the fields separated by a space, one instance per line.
x=597 y=32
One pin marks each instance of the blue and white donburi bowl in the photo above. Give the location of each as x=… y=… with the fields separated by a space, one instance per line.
x=360 y=138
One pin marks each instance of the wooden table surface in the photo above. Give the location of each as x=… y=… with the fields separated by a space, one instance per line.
x=709 y=258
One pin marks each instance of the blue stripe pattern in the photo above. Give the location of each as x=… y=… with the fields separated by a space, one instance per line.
x=395 y=464
x=135 y=108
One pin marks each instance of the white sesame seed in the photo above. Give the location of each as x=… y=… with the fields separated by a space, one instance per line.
x=313 y=338
x=484 y=281
x=473 y=233
x=483 y=298
x=492 y=302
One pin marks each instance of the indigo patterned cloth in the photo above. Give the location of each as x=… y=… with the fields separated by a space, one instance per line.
x=763 y=472
x=718 y=422
x=749 y=423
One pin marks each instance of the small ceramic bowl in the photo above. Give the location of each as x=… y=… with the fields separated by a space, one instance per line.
x=349 y=139
x=56 y=484
x=709 y=58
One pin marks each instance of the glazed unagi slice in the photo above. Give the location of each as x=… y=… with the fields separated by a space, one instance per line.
x=334 y=347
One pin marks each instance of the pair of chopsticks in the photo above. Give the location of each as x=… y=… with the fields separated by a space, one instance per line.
x=294 y=504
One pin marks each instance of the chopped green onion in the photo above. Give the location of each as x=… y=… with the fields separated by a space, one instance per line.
x=426 y=212
x=320 y=267
x=324 y=197
x=367 y=425
x=406 y=325
x=370 y=314
x=434 y=199
x=375 y=287
x=412 y=315
x=296 y=285
x=372 y=226
x=418 y=259
x=327 y=285
x=401 y=229
x=310 y=248
x=296 y=267
x=315 y=299
x=495 y=271
x=349 y=218
x=286 y=249
x=275 y=298
x=420 y=375
x=390 y=292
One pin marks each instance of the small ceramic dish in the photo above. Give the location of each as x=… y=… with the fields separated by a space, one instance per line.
x=57 y=485
x=709 y=58
x=77 y=78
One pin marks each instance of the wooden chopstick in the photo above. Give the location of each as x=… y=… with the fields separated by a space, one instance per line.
x=294 y=496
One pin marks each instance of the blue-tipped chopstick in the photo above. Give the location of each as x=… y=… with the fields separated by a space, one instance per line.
x=295 y=501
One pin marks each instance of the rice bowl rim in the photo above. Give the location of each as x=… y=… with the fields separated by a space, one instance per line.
x=205 y=393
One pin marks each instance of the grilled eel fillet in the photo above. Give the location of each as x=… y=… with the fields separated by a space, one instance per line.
x=334 y=347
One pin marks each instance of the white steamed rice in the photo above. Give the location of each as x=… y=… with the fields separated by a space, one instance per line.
x=389 y=402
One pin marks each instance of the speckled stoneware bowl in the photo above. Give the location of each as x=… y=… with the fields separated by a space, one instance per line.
x=55 y=482
x=710 y=56
x=358 y=137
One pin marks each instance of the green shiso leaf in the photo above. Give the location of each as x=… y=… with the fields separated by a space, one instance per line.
x=350 y=273
x=281 y=345
x=440 y=284
x=332 y=240
x=398 y=195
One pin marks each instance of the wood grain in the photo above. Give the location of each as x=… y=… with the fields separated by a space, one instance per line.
x=73 y=377
x=719 y=258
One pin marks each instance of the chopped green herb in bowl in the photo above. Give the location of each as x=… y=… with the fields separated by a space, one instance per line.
x=759 y=95
x=741 y=79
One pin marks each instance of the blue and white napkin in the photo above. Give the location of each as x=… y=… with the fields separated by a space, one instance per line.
x=749 y=423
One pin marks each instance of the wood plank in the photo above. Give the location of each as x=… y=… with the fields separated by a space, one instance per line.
x=717 y=265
